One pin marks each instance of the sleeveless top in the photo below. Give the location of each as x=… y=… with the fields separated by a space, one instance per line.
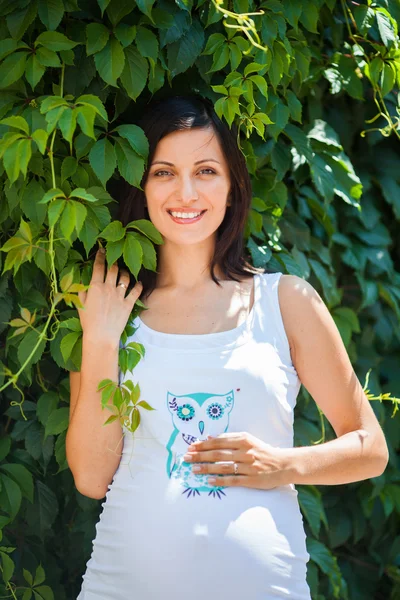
x=164 y=532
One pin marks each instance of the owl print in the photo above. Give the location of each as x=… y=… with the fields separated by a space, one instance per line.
x=194 y=417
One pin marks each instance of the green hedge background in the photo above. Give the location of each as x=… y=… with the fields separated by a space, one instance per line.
x=313 y=87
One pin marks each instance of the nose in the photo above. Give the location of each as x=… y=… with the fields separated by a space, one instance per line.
x=187 y=189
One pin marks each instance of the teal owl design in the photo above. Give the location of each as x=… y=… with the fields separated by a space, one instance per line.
x=194 y=417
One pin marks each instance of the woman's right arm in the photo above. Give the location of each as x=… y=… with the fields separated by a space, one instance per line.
x=93 y=450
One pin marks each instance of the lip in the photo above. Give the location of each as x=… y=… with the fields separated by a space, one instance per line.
x=185 y=221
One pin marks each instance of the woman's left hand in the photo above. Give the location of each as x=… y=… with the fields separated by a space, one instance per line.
x=260 y=465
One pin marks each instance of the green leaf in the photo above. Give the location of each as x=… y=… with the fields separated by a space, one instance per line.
x=67 y=123
x=118 y=9
x=114 y=250
x=39 y=575
x=215 y=41
x=387 y=28
x=136 y=138
x=261 y=84
x=97 y=36
x=17 y=123
x=86 y=116
x=12 y=68
x=18 y=21
x=132 y=254
x=72 y=219
x=295 y=106
x=83 y=195
x=220 y=59
x=145 y=6
x=183 y=53
x=322 y=556
x=130 y=165
x=67 y=345
x=22 y=476
x=24 y=151
x=26 y=346
x=45 y=405
x=93 y=102
x=134 y=74
x=31 y=195
x=103 y=160
x=309 y=16
x=11 y=161
x=10 y=496
x=51 y=194
x=149 y=253
x=58 y=419
x=40 y=137
x=364 y=17
x=27 y=576
x=110 y=61
x=148 y=229
x=73 y=324
x=53 y=40
x=125 y=33
x=47 y=58
x=46 y=506
x=7 y=46
x=147 y=43
x=5 y=445
x=103 y=5
x=388 y=78
x=324 y=133
x=7 y=566
x=113 y=232
x=50 y=13
x=312 y=507
x=68 y=167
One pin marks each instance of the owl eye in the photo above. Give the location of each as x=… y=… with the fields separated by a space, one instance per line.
x=185 y=412
x=215 y=411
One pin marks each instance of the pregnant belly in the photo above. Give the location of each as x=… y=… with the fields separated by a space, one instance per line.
x=154 y=541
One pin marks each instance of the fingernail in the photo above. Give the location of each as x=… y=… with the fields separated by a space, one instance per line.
x=102 y=250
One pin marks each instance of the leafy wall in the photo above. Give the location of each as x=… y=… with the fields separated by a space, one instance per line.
x=313 y=87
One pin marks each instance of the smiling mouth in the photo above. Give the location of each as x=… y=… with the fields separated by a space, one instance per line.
x=186 y=217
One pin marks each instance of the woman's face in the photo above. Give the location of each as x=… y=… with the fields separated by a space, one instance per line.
x=188 y=175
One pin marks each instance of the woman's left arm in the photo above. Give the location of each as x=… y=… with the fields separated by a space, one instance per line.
x=324 y=368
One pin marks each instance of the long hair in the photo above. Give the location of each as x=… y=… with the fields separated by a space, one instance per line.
x=176 y=113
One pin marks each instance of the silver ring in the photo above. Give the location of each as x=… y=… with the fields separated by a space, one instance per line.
x=123 y=285
x=235 y=466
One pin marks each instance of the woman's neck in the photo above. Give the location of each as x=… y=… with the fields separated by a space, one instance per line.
x=184 y=267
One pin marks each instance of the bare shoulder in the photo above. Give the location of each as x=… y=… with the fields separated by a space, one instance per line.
x=301 y=305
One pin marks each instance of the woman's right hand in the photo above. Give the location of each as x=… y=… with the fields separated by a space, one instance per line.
x=106 y=310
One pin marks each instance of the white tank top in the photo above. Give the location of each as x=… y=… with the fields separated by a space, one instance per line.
x=164 y=532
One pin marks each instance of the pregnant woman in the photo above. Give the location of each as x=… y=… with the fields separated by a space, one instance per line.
x=200 y=502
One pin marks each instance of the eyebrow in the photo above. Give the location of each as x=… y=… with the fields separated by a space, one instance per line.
x=164 y=162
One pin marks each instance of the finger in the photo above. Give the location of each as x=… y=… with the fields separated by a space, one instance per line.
x=230 y=481
x=222 y=468
x=124 y=277
x=228 y=440
x=99 y=267
x=112 y=274
x=216 y=455
x=134 y=293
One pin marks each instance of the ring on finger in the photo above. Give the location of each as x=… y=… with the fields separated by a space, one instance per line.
x=124 y=285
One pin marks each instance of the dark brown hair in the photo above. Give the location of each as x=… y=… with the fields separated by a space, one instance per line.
x=177 y=113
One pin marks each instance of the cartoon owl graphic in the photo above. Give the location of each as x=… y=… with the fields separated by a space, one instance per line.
x=194 y=417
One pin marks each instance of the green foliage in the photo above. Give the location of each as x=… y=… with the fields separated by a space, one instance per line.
x=313 y=88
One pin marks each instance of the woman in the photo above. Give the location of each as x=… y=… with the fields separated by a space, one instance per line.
x=202 y=503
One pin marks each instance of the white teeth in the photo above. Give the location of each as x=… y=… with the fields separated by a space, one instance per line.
x=181 y=215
